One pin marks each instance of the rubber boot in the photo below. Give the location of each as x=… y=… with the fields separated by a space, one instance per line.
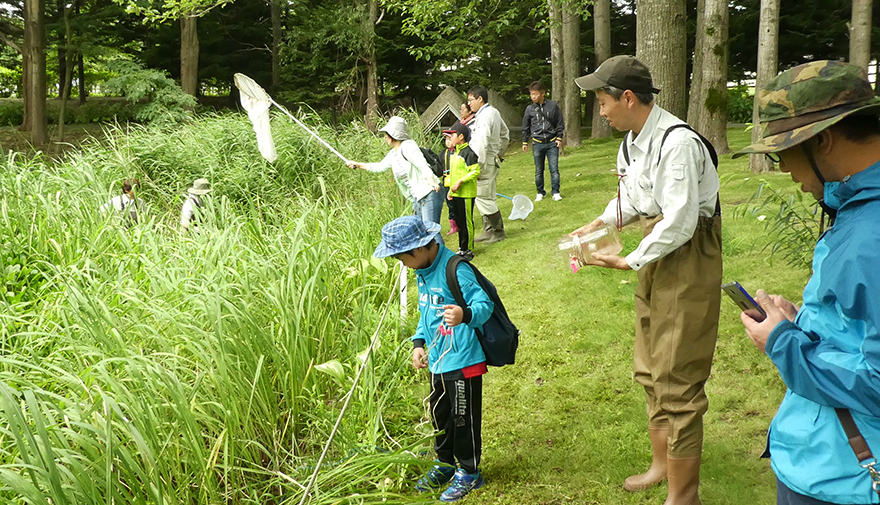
x=497 y=225
x=453 y=227
x=683 y=475
x=487 y=231
x=657 y=471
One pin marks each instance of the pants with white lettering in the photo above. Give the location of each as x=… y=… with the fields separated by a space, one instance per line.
x=457 y=414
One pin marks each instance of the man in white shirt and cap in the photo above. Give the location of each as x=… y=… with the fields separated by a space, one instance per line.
x=668 y=181
x=489 y=138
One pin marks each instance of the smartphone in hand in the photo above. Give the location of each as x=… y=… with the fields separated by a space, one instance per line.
x=744 y=301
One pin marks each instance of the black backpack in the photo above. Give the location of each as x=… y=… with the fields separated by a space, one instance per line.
x=433 y=160
x=499 y=337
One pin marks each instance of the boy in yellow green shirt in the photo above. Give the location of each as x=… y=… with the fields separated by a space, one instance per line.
x=460 y=161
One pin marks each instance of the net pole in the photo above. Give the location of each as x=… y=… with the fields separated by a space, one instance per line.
x=306 y=128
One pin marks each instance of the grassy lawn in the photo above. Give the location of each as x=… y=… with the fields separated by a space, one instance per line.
x=566 y=424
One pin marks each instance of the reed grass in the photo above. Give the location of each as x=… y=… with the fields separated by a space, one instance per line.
x=147 y=365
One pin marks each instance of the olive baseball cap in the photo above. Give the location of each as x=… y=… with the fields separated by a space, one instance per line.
x=802 y=101
x=624 y=72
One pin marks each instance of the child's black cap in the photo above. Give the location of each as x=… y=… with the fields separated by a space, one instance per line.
x=459 y=128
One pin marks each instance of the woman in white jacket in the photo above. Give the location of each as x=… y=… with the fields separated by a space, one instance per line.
x=411 y=172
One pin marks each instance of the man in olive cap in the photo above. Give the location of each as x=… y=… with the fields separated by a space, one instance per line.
x=820 y=124
x=668 y=182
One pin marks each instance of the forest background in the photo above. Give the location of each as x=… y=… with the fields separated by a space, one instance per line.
x=366 y=58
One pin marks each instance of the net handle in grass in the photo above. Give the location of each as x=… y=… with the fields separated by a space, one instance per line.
x=250 y=88
x=350 y=394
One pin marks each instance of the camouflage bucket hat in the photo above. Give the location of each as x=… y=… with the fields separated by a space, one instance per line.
x=802 y=101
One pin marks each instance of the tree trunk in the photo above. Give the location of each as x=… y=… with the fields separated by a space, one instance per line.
x=860 y=33
x=661 y=44
x=768 y=60
x=602 y=48
x=571 y=113
x=275 y=6
x=81 y=78
x=557 y=89
x=62 y=69
x=25 y=83
x=62 y=53
x=68 y=70
x=709 y=99
x=35 y=90
x=694 y=98
x=189 y=55
x=372 y=113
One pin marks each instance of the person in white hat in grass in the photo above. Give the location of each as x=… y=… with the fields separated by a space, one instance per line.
x=413 y=175
x=190 y=214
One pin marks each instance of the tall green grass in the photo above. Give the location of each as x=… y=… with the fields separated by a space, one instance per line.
x=147 y=365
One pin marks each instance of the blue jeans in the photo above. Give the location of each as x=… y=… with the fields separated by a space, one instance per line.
x=429 y=207
x=785 y=496
x=549 y=150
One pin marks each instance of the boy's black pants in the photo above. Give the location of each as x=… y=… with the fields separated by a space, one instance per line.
x=457 y=414
x=463 y=208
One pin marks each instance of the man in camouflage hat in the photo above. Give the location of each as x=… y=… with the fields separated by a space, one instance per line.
x=820 y=124
x=668 y=183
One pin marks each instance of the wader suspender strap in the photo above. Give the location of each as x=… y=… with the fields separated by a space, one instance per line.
x=704 y=140
x=860 y=447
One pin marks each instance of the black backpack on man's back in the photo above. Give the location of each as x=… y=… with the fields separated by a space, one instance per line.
x=499 y=336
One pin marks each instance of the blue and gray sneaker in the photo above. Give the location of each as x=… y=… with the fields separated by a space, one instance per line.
x=436 y=477
x=461 y=484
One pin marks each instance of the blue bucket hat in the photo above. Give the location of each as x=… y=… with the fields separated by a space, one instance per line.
x=405 y=234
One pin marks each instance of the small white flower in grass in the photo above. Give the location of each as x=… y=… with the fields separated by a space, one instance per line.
x=762 y=217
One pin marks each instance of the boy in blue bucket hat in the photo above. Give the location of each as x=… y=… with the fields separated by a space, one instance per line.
x=446 y=344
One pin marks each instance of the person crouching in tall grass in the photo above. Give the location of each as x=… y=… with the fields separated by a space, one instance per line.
x=191 y=213
x=126 y=205
x=411 y=171
x=454 y=356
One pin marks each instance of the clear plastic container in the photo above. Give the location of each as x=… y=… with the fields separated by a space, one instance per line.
x=580 y=248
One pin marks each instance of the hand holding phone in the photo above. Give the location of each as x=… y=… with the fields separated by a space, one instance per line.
x=744 y=301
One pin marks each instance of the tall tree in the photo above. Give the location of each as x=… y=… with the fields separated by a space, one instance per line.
x=66 y=70
x=571 y=26
x=694 y=98
x=34 y=57
x=275 y=12
x=661 y=44
x=602 y=45
x=368 y=56
x=768 y=50
x=860 y=33
x=557 y=70
x=189 y=54
x=708 y=114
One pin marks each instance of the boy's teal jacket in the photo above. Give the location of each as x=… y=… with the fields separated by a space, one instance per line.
x=462 y=165
x=447 y=353
x=830 y=355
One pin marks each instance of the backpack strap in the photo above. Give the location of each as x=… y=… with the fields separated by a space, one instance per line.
x=859 y=446
x=706 y=143
x=704 y=140
x=452 y=280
